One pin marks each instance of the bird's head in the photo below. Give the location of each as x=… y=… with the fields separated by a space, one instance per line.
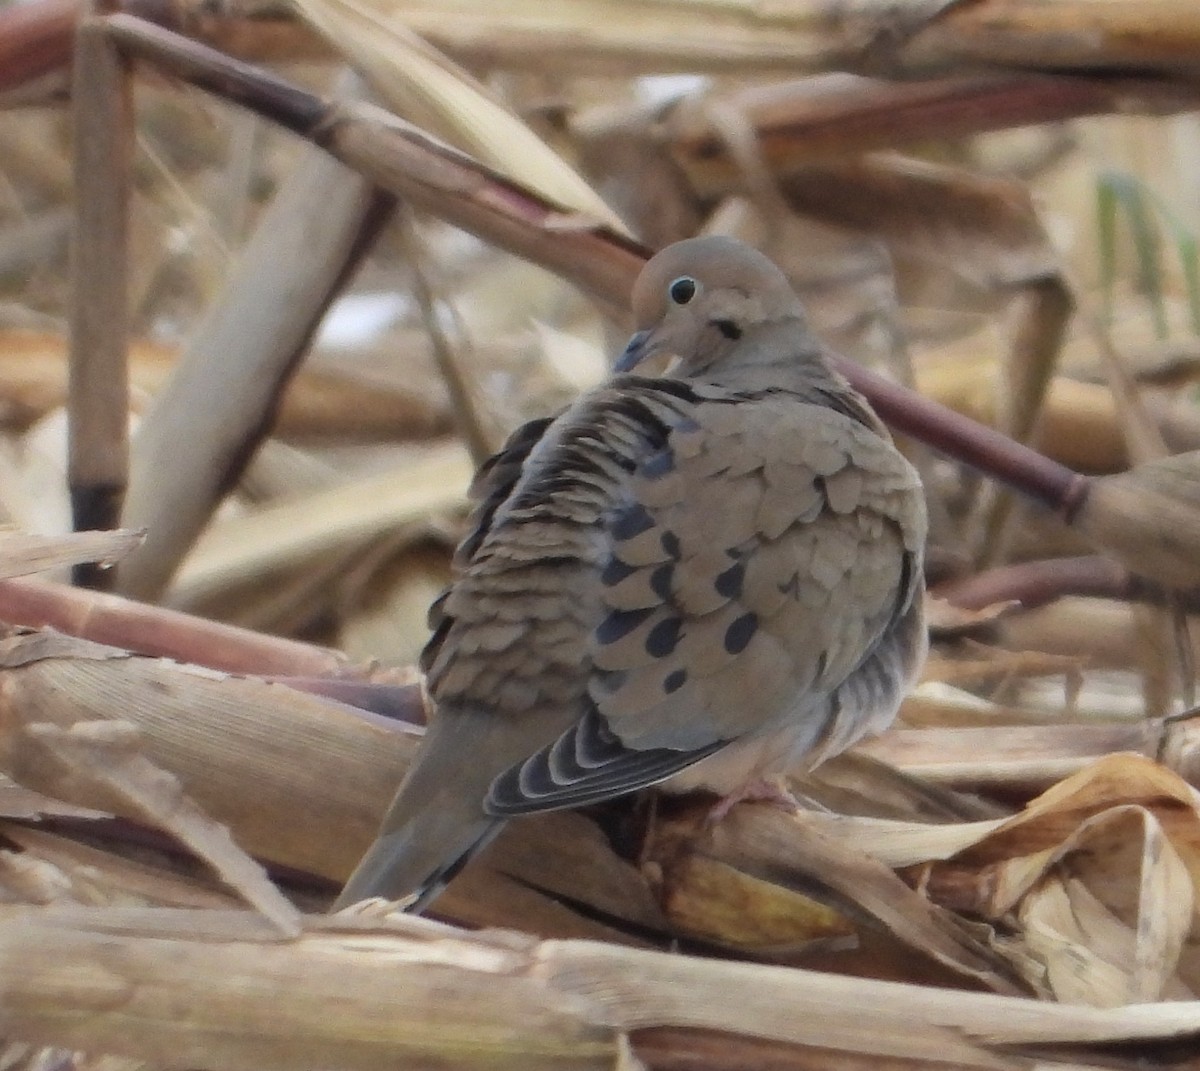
x=701 y=300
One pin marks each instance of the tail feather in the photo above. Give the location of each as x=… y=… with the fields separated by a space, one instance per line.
x=436 y=821
x=416 y=861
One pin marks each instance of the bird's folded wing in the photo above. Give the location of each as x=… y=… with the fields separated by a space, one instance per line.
x=492 y=485
x=752 y=562
x=585 y=765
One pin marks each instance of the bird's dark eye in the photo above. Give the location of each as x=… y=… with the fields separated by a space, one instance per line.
x=682 y=290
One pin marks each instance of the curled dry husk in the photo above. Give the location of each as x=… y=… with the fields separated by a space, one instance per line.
x=1091 y=890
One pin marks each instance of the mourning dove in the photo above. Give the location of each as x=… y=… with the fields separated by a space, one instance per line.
x=703 y=578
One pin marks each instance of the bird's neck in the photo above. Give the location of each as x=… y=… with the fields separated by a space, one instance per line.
x=779 y=356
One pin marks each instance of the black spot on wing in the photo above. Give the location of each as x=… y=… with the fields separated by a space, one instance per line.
x=674 y=681
x=729 y=583
x=670 y=544
x=631 y=521
x=664 y=637
x=588 y=763
x=661 y=579
x=740 y=632
x=615 y=571
x=621 y=623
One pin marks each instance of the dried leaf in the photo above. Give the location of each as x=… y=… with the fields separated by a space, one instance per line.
x=422 y=84
x=21 y=553
x=107 y=754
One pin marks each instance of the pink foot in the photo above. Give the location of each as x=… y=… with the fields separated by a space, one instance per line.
x=764 y=790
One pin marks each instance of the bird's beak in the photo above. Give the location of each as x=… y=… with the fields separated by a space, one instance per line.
x=637 y=350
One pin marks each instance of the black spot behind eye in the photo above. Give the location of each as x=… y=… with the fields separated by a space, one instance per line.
x=728 y=328
x=682 y=290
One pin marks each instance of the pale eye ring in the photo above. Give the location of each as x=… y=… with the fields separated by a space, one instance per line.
x=682 y=290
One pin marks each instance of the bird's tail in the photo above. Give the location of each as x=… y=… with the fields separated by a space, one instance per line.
x=416 y=861
x=436 y=821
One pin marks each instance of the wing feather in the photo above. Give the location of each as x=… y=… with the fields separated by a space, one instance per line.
x=723 y=601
